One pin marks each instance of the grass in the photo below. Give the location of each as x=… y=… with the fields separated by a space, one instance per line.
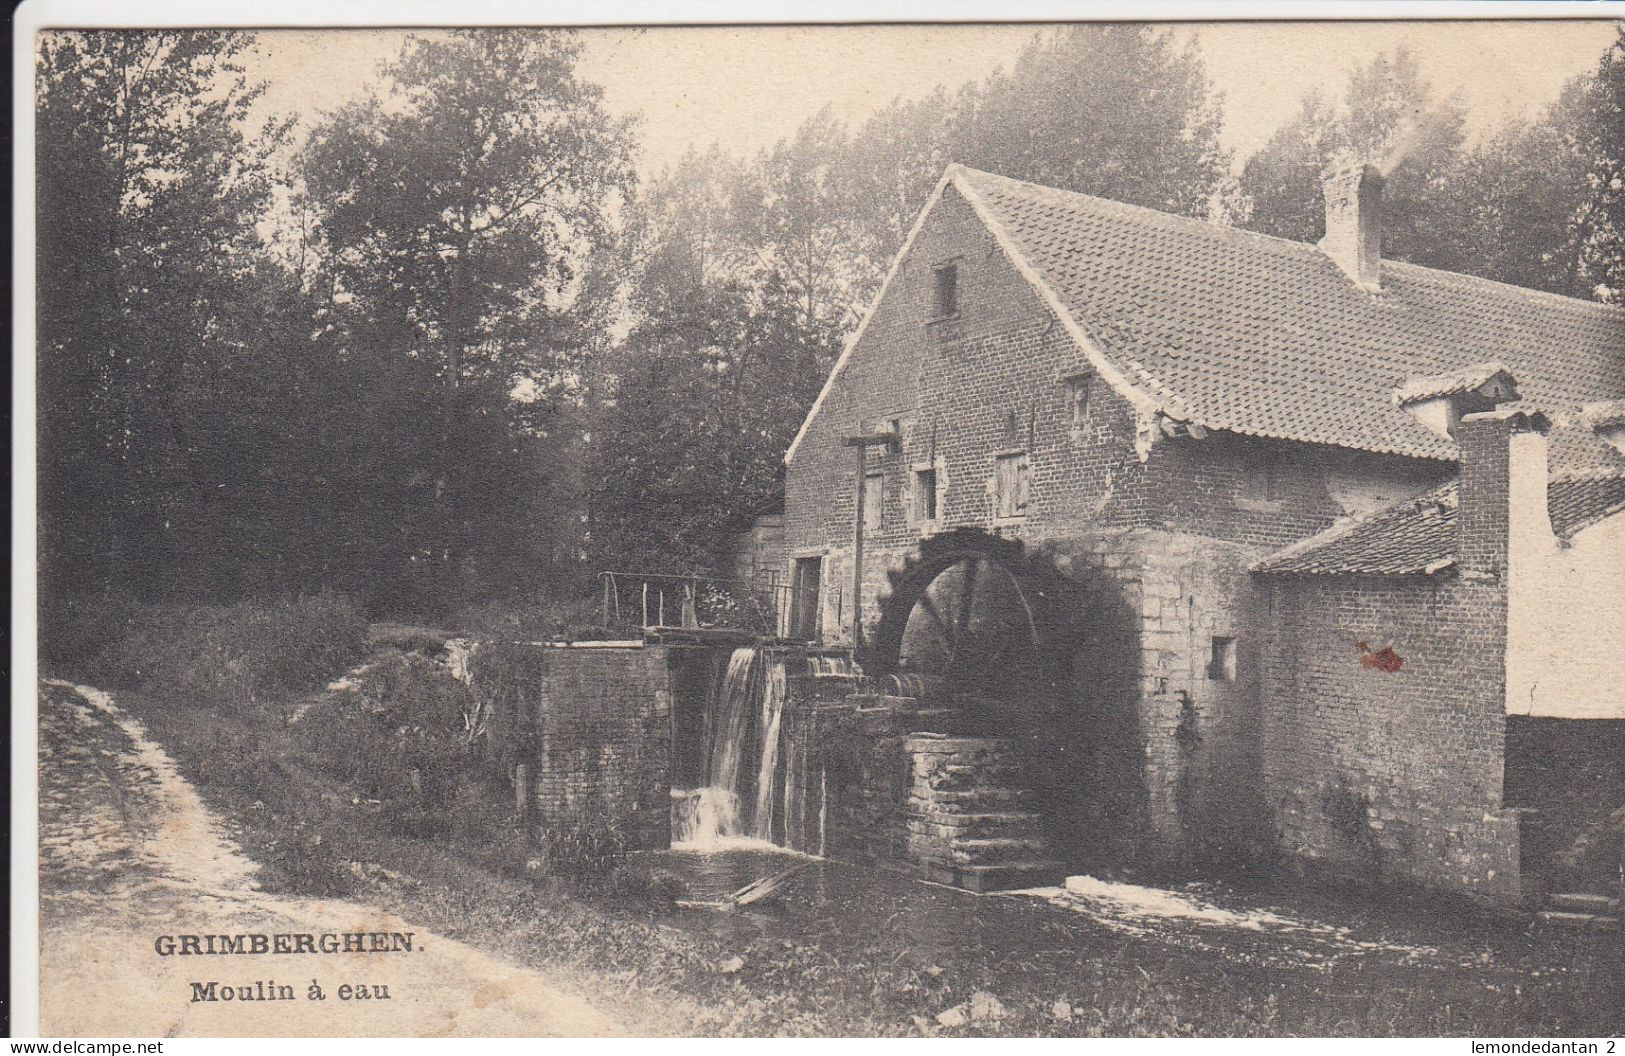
x=847 y=951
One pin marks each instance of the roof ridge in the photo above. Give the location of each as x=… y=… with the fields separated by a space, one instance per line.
x=1179 y=218
x=1599 y=307
x=1244 y=234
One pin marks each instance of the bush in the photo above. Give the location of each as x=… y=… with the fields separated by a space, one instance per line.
x=541 y=617
x=410 y=739
x=237 y=655
x=73 y=628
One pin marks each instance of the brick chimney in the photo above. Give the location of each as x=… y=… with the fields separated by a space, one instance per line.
x=1353 y=237
x=1502 y=502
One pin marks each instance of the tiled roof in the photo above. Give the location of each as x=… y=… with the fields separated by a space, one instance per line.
x=1416 y=535
x=1419 y=535
x=1576 y=500
x=1428 y=386
x=1258 y=335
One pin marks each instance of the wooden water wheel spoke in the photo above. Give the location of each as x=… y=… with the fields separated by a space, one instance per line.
x=979 y=618
x=967 y=598
x=929 y=607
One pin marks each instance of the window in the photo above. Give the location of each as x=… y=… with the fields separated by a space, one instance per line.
x=944 y=290
x=874 y=490
x=1262 y=478
x=1077 y=391
x=1010 y=485
x=925 y=493
x=1221 y=665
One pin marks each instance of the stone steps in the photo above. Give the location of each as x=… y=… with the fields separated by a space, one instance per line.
x=1003 y=876
x=1580 y=911
x=989 y=823
x=1557 y=918
x=970 y=822
x=994 y=850
x=1582 y=902
x=970 y=800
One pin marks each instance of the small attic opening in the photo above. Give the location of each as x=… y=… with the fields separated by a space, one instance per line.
x=1440 y=401
x=945 y=290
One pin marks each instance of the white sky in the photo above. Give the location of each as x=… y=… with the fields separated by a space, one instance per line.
x=745 y=88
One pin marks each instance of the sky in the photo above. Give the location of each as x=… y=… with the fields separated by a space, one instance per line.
x=747 y=87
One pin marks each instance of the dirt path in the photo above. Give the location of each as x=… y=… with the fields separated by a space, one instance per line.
x=129 y=854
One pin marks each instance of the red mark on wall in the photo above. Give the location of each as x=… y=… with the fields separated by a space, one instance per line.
x=1384 y=659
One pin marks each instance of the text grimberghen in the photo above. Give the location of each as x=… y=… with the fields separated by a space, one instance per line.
x=252 y=943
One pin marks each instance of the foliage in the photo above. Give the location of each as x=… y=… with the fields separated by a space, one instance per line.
x=476 y=361
x=157 y=306
x=74 y=626
x=708 y=395
x=241 y=655
x=1115 y=110
x=1535 y=203
x=747 y=276
x=457 y=221
x=1389 y=116
x=406 y=742
x=533 y=617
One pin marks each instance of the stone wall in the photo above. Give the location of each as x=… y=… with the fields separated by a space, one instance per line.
x=1393 y=775
x=1167 y=697
x=861 y=769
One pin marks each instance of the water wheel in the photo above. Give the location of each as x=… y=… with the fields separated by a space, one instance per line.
x=973 y=618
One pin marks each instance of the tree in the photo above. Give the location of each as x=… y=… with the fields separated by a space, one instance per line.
x=1535 y=203
x=705 y=397
x=460 y=220
x=149 y=265
x=1283 y=180
x=1586 y=155
x=1115 y=110
x=748 y=274
x=1389 y=117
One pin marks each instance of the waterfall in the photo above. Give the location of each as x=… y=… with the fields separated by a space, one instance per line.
x=775 y=688
x=751 y=793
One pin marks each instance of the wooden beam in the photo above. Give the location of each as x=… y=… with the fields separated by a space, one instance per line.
x=889 y=439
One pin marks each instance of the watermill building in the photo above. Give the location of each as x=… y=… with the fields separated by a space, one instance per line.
x=1234 y=547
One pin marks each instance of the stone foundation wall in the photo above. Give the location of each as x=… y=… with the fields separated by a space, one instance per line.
x=1170 y=737
x=859 y=763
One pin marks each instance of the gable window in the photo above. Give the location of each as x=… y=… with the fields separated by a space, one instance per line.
x=874 y=489
x=1010 y=485
x=944 y=291
x=925 y=493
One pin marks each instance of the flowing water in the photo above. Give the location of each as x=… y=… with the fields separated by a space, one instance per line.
x=753 y=792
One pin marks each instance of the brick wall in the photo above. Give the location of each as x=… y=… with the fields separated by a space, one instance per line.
x=597 y=723
x=1395 y=776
